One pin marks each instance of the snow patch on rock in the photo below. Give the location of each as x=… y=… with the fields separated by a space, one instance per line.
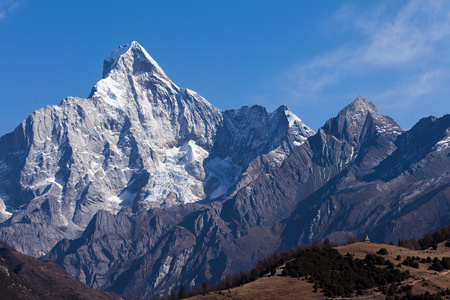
x=179 y=176
x=225 y=171
x=4 y=214
x=443 y=144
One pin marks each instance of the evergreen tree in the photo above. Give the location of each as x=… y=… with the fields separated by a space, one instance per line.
x=182 y=292
x=205 y=288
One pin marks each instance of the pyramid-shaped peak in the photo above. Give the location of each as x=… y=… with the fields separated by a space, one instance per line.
x=131 y=48
x=360 y=104
x=355 y=118
x=132 y=58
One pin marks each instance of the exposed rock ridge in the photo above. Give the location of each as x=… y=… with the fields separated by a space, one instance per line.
x=138 y=141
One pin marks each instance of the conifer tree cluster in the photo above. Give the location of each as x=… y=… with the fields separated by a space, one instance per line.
x=342 y=276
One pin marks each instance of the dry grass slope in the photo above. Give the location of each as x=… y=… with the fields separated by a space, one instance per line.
x=278 y=287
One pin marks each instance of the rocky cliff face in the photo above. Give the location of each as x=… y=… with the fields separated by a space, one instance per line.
x=335 y=184
x=145 y=186
x=396 y=185
x=138 y=141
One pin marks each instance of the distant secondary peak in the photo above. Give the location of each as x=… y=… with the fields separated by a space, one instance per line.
x=354 y=119
x=132 y=59
x=297 y=128
x=360 y=104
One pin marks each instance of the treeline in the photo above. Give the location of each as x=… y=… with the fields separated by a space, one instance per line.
x=429 y=240
x=342 y=276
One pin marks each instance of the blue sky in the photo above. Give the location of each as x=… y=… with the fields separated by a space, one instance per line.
x=314 y=56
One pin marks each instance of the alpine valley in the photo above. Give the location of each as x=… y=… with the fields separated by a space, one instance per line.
x=145 y=186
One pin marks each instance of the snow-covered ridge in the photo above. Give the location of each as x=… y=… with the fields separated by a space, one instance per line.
x=130 y=70
x=297 y=128
x=135 y=51
x=292 y=119
x=138 y=140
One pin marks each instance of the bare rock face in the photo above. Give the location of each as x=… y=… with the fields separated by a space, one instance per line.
x=145 y=186
x=398 y=186
x=334 y=184
x=138 y=141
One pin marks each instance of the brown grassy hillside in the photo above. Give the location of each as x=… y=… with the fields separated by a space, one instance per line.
x=279 y=287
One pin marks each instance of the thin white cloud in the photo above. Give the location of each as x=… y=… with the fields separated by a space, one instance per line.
x=7 y=6
x=415 y=31
x=303 y=80
x=410 y=41
x=408 y=93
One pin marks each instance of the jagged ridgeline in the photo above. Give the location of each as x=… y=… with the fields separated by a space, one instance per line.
x=145 y=186
x=138 y=141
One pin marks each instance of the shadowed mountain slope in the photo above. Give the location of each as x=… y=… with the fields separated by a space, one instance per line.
x=24 y=277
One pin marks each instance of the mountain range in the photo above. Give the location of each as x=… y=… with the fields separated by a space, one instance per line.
x=144 y=186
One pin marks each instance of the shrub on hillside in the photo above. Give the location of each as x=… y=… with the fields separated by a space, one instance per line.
x=440 y=265
x=382 y=251
x=436 y=266
x=380 y=261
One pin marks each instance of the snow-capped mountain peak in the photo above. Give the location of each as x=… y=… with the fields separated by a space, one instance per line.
x=360 y=104
x=138 y=140
x=129 y=70
x=355 y=119
x=132 y=58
